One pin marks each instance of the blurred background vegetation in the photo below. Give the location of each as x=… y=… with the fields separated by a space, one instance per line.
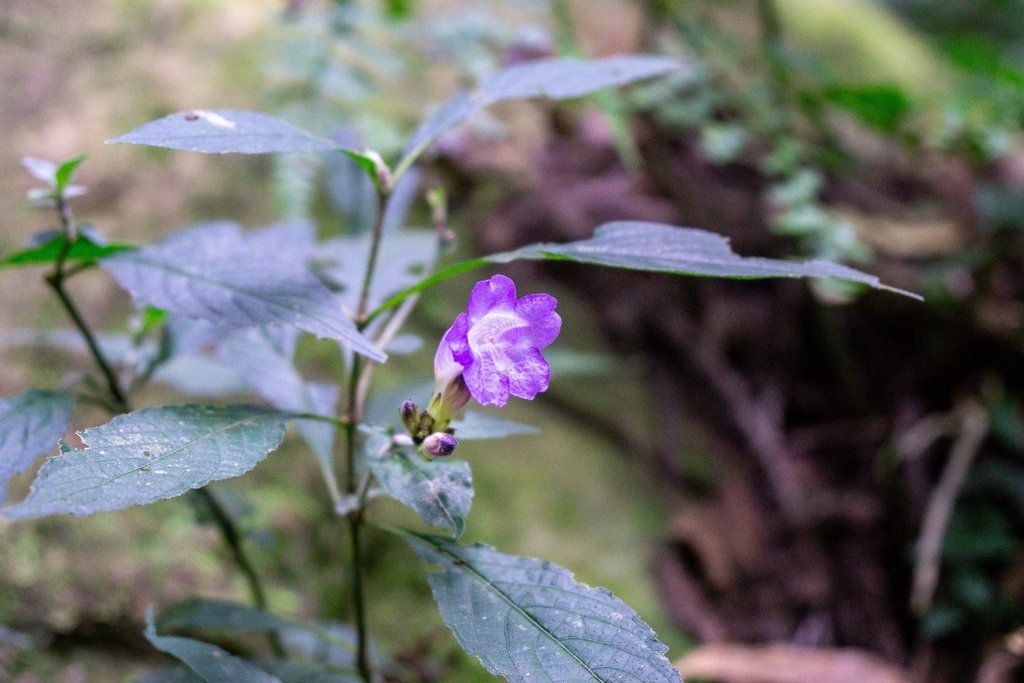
x=789 y=482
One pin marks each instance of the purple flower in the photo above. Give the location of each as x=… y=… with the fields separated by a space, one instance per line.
x=493 y=349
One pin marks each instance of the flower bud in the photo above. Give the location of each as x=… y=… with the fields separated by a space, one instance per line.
x=439 y=444
x=410 y=416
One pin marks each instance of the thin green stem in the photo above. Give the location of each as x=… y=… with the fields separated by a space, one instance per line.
x=371 y=261
x=355 y=415
x=355 y=522
x=56 y=282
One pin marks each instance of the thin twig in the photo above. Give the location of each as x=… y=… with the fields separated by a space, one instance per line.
x=973 y=430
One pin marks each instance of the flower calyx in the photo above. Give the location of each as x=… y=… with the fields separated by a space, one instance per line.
x=433 y=436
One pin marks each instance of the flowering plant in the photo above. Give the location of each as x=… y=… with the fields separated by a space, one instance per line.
x=241 y=300
x=491 y=352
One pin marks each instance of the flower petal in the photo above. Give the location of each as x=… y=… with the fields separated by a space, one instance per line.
x=529 y=373
x=538 y=312
x=498 y=292
x=454 y=345
x=485 y=379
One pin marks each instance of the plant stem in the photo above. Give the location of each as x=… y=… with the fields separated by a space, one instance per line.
x=56 y=282
x=371 y=261
x=356 y=396
x=355 y=521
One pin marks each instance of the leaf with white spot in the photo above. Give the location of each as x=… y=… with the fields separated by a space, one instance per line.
x=152 y=454
x=223 y=131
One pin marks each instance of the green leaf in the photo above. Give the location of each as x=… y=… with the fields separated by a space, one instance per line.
x=30 y=424
x=224 y=131
x=82 y=249
x=556 y=79
x=439 y=491
x=332 y=645
x=210 y=662
x=218 y=615
x=880 y=106
x=66 y=171
x=217 y=273
x=474 y=425
x=640 y=245
x=528 y=620
x=152 y=454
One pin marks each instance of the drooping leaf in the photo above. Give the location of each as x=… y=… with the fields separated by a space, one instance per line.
x=211 y=663
x=224 y=131
x=640 y=245
x=556 y=79
x=529 y=620
x=216 y=273
x=152 y=454
x=476 y=425
x=30 y=424
x=82 y=249
x=439 y=491
x=331 y=645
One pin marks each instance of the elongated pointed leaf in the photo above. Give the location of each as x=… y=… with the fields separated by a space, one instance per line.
x=209 y=662
x=224 y=131
x=439 y=491
x=152 y=454
x=331 y=645
x=30 y=425
x=82 y=249
x=217 y=273
x=528 y=620
x=218 y=615
x=640 y=245
x=474 y=425
x=554 y=79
